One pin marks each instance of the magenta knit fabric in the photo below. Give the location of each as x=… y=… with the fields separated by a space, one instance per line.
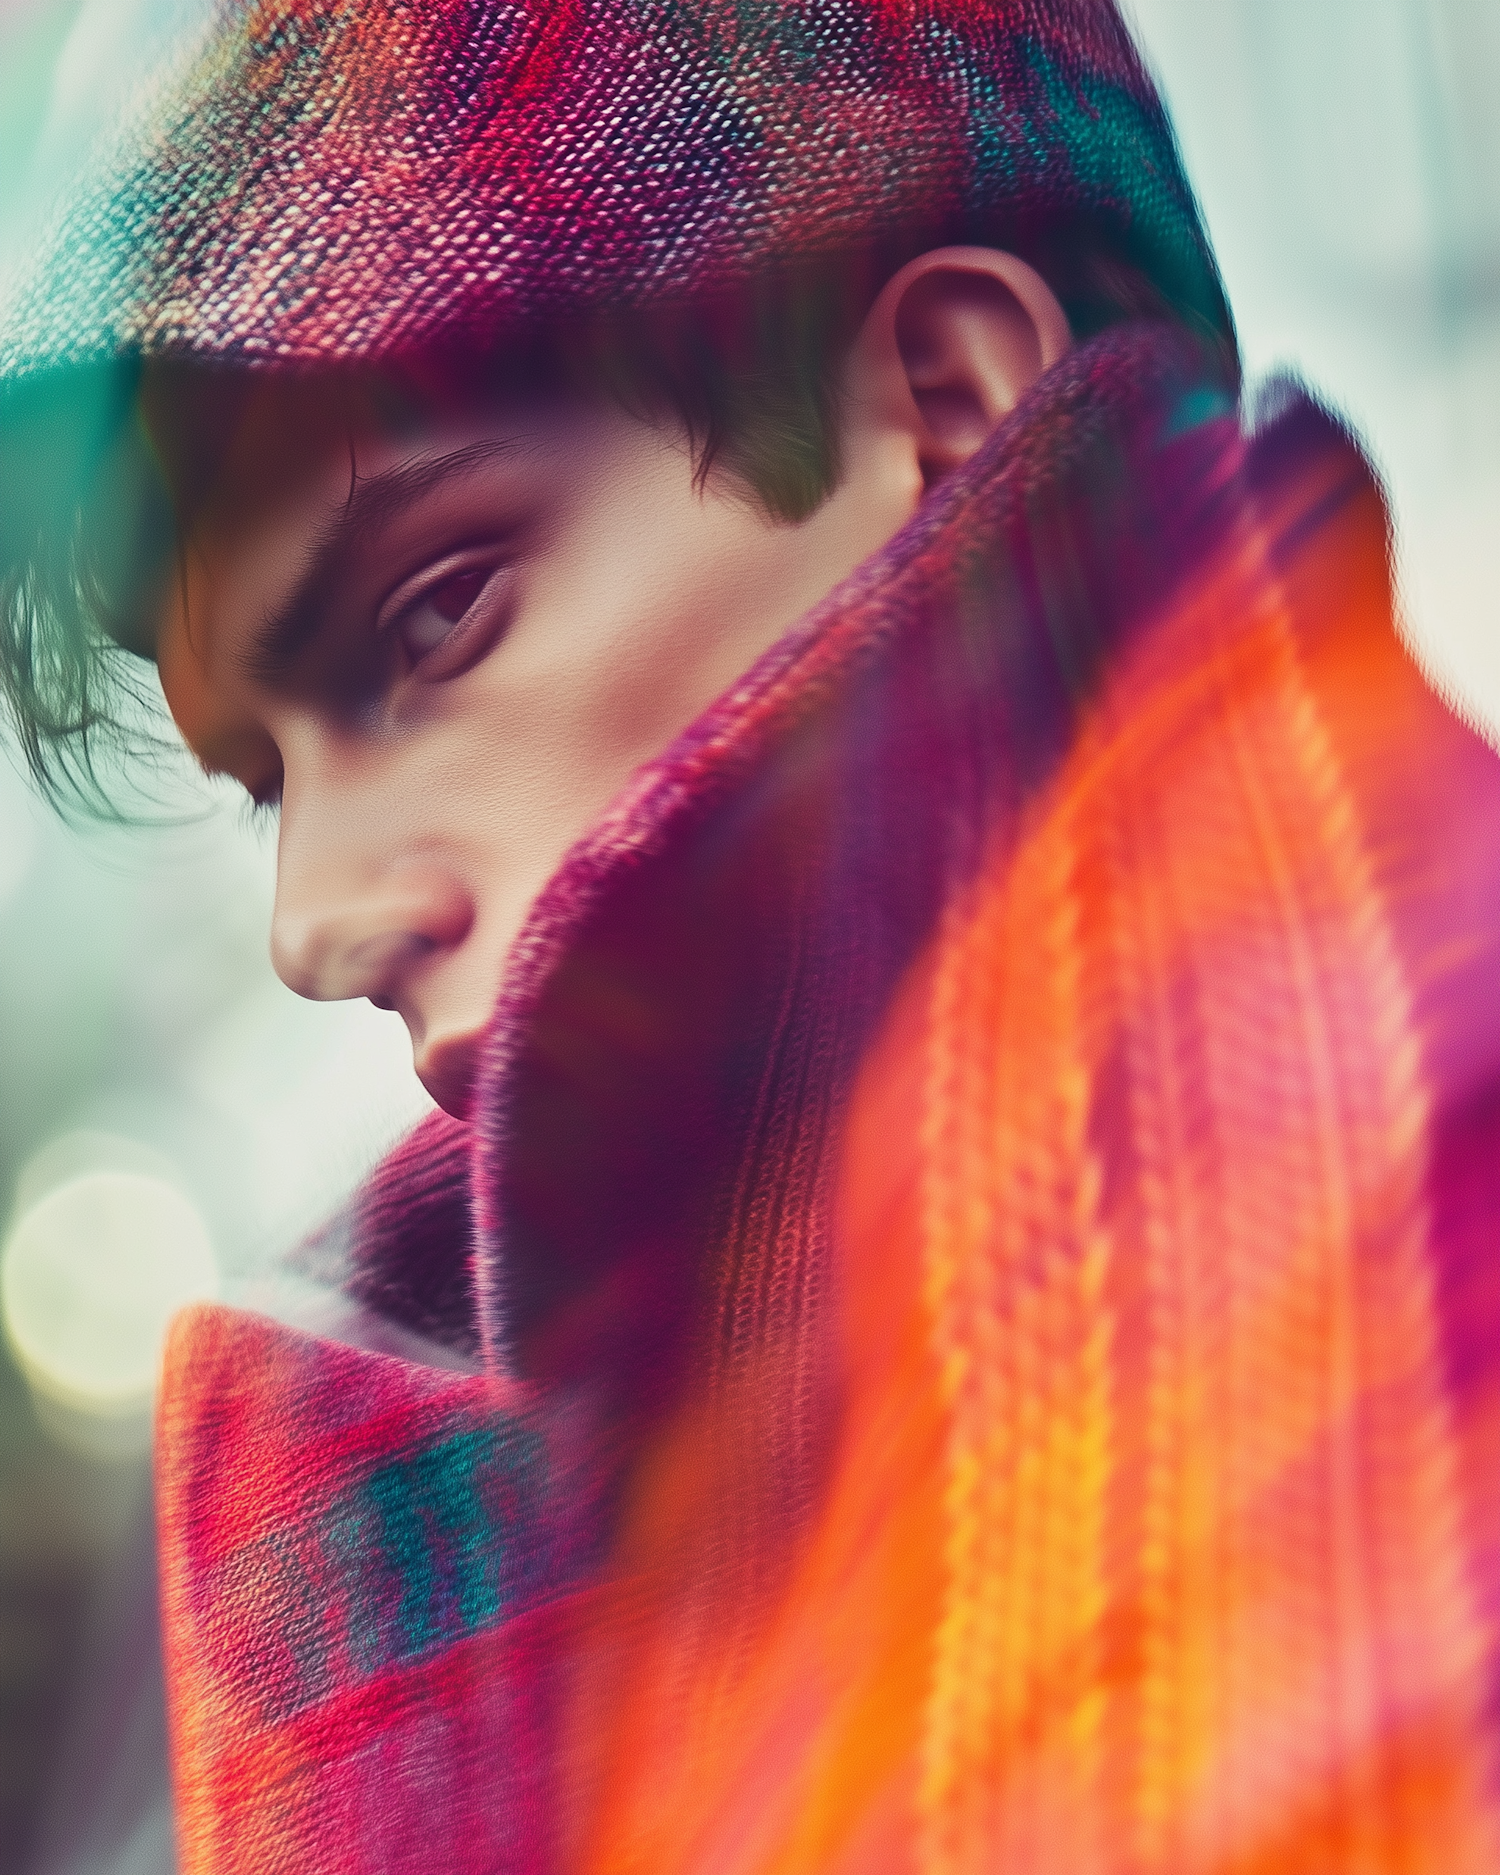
x=708 y=1545
x=353 y=178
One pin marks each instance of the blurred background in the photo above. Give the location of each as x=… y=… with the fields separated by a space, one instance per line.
x=170 y=1117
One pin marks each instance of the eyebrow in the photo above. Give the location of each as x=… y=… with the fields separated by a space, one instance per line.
x=373 y=502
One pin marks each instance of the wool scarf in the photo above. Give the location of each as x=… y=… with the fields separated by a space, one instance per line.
x=962 y=1329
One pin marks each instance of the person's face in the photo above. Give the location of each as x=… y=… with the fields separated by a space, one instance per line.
x=443 y=650
x=442 y=646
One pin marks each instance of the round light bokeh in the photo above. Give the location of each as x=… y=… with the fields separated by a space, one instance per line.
x=93 y=1270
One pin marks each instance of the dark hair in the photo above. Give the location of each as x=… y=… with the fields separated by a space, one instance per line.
x=95 y=498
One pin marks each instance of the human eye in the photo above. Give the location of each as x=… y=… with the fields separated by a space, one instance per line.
x=449 y=614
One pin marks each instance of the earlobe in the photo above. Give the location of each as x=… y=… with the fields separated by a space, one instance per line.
x=954 y=341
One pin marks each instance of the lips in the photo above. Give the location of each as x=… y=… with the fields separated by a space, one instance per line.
x=447 y=1067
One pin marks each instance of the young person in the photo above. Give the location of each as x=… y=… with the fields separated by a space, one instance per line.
x=946 y=1323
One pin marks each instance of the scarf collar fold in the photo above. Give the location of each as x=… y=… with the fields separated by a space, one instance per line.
x=789 y=851
x=401 y=1604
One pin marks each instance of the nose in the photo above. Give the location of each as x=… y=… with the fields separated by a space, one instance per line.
x=335 y=936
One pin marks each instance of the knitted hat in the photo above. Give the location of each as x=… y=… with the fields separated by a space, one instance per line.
x=351 y=178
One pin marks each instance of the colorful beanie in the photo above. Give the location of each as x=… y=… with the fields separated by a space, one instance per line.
x=351 y=178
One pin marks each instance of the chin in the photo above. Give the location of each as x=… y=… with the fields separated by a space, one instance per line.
x=447 y=1070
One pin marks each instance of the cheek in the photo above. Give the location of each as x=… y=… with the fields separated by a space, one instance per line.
x=659 y=607
x=628 y=625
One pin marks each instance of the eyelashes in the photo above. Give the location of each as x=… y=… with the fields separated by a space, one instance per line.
x=449 y=615
x=433 y=627
x=428 y=621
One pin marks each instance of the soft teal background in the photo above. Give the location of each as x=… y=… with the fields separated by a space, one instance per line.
x=1348 y=156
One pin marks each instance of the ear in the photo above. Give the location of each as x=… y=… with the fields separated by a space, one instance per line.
x=949 y=348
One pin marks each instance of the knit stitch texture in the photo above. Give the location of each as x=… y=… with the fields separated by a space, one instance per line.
x=980 y=1223
x=357 y=178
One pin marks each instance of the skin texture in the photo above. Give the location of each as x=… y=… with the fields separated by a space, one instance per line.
x=443 y=650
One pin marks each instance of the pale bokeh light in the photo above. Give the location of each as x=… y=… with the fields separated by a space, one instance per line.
x=92 y=1273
